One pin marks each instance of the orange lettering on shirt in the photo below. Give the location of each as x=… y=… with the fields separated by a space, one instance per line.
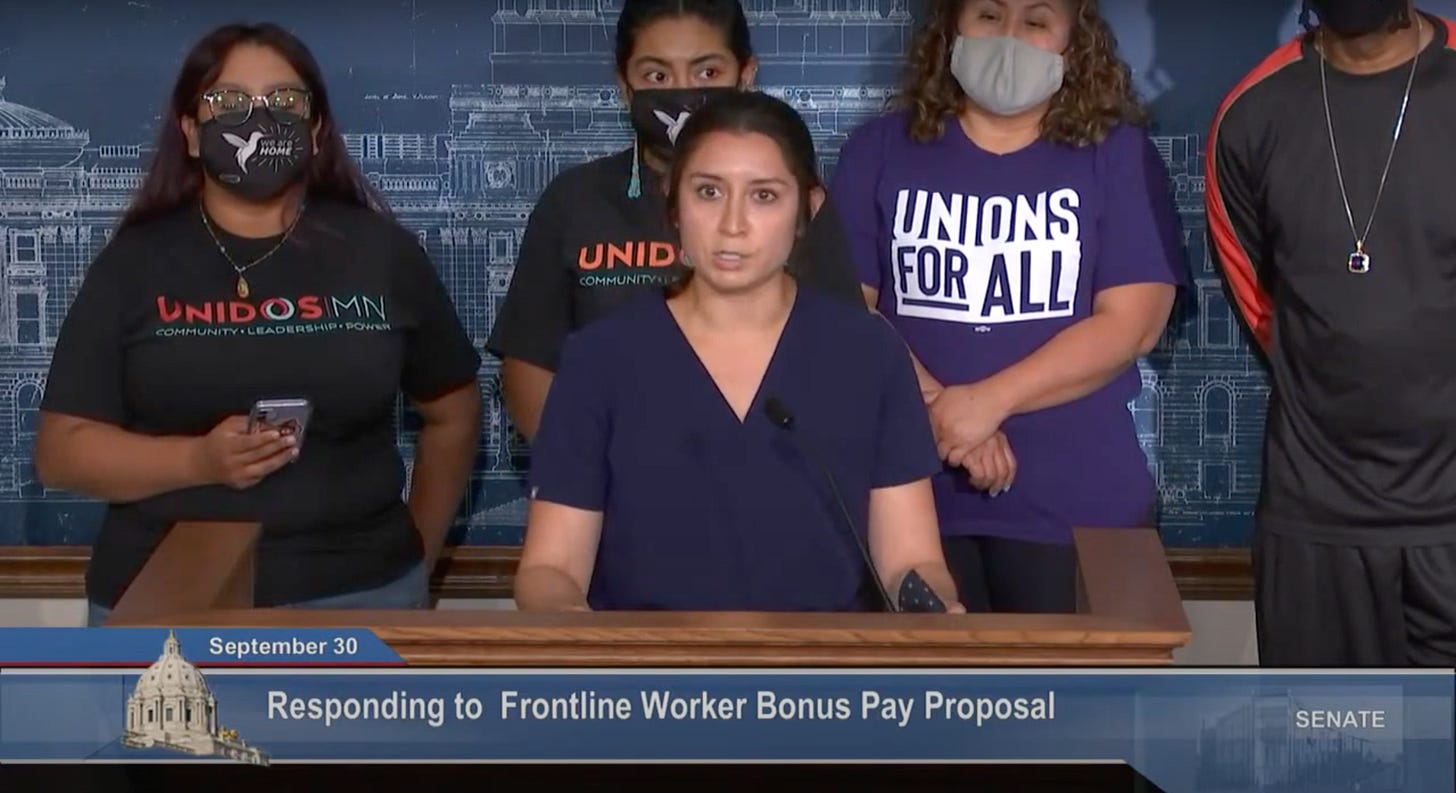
x=590 y=257
x=619 y=254
x=629 y=254
x=663 y=255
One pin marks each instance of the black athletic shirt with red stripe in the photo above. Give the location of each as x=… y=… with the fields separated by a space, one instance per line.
x=1360 y=445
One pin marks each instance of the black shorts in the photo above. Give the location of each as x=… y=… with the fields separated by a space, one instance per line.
x=1320 y=604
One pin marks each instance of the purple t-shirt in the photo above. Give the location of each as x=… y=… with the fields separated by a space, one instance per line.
x=980 y=259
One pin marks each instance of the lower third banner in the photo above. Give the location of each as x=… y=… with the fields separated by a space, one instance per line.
x=1186 y=730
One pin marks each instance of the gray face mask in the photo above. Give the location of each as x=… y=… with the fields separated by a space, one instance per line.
x=1004 y=75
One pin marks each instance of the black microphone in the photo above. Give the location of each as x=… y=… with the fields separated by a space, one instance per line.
x=915 y=594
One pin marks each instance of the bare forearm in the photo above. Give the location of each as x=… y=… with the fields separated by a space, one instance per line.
x=524 y=387
x=1073 y=364
x=541 y=588
x=929 y=386
x=444 y=457
x=111 y=464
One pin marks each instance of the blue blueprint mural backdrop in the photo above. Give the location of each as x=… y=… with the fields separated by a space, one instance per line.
x=463 y=110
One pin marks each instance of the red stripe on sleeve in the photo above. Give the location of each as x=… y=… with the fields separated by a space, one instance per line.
x=1252 y=302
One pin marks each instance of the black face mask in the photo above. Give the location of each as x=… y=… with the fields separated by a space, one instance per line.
x=658 y=114
x=1351 y=18
x=257 y=159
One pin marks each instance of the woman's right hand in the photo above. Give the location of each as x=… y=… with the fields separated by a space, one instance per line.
x=230 y=455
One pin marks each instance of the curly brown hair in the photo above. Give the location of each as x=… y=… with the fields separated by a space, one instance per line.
x=1096 y=95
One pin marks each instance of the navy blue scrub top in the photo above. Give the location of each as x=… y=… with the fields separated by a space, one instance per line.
x=704 y=512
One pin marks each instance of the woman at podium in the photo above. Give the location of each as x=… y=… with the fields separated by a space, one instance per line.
x=256 y=264
x=733 y=441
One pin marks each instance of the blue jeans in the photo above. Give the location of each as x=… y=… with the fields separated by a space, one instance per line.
x=409 y=591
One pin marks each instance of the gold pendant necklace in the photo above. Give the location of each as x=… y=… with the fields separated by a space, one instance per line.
x=1359 y=261
x=243 y=290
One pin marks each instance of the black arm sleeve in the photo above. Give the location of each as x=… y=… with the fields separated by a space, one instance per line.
x=439 y=356
x=86 y=376
x=536 y=315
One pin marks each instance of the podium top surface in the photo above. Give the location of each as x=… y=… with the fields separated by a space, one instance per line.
x=1130 y=614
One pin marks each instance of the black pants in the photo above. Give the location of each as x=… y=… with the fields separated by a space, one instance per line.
x=1322 y=605
x=995 y=574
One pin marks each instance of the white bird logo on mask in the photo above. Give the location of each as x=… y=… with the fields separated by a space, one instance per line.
x=246 y=148
x=674 y=125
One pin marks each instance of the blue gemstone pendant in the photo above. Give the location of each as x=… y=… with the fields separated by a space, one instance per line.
x=1359 y=263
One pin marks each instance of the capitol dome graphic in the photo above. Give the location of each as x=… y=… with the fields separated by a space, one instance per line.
x=172 y=708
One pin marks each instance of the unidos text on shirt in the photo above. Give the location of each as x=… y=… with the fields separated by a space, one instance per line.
x=272 y=315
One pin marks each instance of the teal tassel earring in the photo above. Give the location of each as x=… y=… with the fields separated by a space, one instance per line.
x=634 y=187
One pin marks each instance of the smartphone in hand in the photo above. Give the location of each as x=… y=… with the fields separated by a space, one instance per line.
x=287 y=416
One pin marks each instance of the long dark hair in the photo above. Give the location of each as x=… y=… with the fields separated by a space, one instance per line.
x=174 y=178
x=749 y=112
x=724 y=15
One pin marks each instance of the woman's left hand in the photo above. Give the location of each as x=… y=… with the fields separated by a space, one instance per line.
x=954 y=608
x=992 y=465
x=964 y=417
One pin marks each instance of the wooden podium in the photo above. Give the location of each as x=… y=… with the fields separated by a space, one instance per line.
x=1130 y=614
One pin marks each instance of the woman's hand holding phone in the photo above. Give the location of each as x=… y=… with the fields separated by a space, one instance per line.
x=230 y=455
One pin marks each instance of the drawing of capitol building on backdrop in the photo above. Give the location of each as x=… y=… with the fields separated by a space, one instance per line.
x=468 y=190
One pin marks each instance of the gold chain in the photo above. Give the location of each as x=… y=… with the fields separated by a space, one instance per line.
x=242 y=285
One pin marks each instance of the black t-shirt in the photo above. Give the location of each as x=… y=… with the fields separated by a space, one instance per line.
x=589 y=248
x=1361 y=429
x=348 y=313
